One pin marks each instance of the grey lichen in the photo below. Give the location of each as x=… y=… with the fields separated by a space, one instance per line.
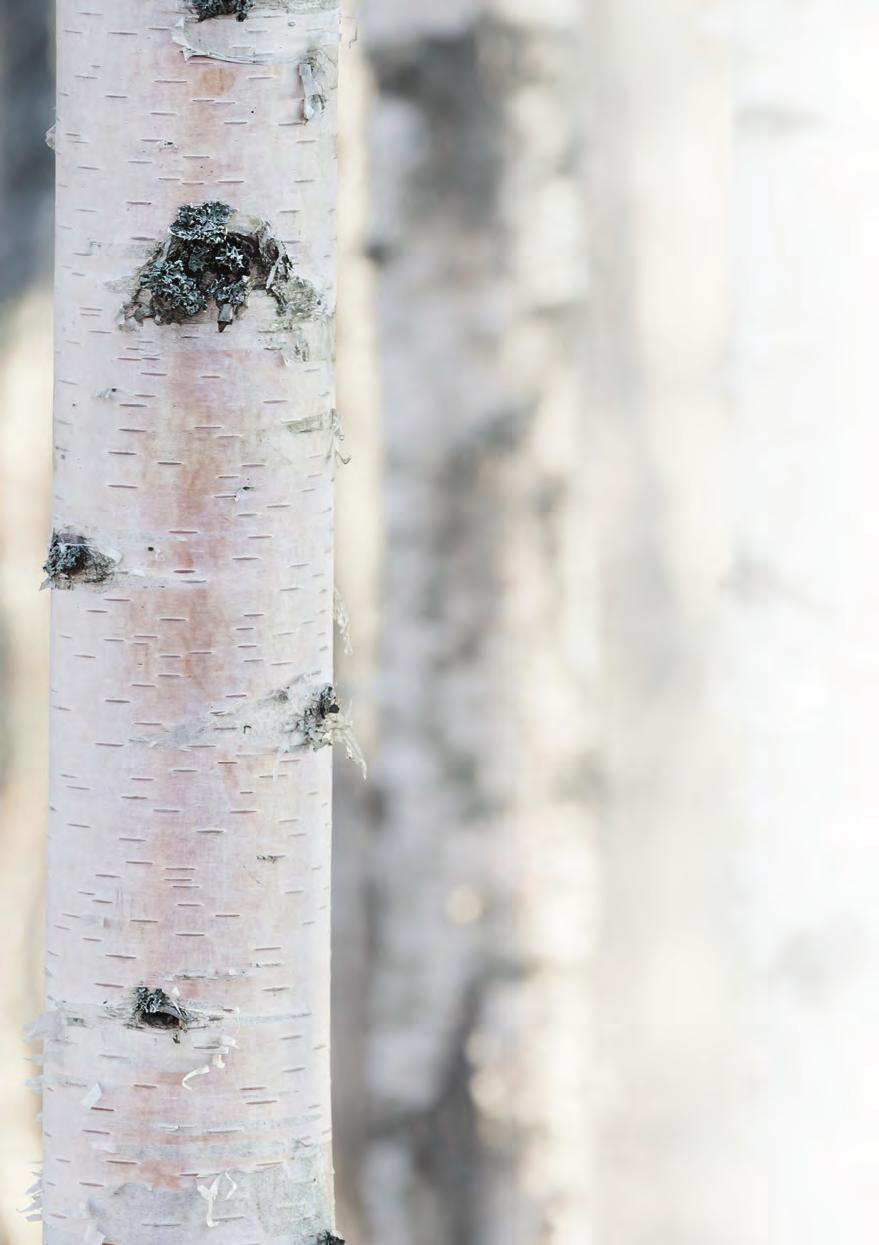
x=322 y=723
x=211 y=255
x=297 y=297
x=73 y=559
x=204 y=9
x=154 y=1009
x=319 y=719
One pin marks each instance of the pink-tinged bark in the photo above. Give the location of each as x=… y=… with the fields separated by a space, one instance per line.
x=190 y=818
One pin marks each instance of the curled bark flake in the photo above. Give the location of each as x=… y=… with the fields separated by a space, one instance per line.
x=313 y=86
x=343 y=622
x=73 y=559
x=338 y=438
x=33 y=1212
x=213 y=255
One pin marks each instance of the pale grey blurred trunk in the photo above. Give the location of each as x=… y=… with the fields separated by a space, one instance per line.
x=737 y=178
x=26 y=167
x=26 y=182
x=804 y=590
x=679 y=1159
x=481 y=898
x=26 y=178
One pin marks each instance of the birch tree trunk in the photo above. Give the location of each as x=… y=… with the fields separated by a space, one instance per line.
x=186 y=1077
x=480 y=908
x=680 y=1115
x=804 y=596
x=736 y=388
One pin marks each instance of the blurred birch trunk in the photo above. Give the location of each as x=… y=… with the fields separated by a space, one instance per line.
x=680 y=1109
x=481 y=900
x=26 y=180
x=804 y=588
x=736 y=390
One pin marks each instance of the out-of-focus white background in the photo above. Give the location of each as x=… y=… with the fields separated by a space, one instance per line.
x=606 y=918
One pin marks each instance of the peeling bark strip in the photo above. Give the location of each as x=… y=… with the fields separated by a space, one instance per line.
x=312 y=75
x=287 y=32
x=186 y=1045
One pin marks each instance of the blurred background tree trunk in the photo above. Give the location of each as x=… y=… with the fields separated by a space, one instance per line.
x=481 y=903
x=26 y=166
x=680 y=1116
x=801 y=681
x=26 y=181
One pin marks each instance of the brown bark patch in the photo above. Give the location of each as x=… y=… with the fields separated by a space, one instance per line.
x=215 y=79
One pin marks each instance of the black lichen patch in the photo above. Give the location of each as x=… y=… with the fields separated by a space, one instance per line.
x=221 y=8
x=154 y=1009
x=213 y=256
x=319 y=718
x=72 y=559
x=329 y=1238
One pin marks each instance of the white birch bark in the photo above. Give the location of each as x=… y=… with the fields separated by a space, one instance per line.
x=481 y=886
x=190 y=817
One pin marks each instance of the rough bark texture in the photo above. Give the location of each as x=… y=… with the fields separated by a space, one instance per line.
x=480 y=869
x=186 y=1077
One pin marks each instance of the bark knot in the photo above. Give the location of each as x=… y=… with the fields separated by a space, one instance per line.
x=322 y=723
x=214 y=255
x=154 y=1009
x=320 y=717
x=204 y=9
x=73 y=559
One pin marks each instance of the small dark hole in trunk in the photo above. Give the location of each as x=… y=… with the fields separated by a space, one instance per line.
x=162 y=1020
x=154 y=1009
